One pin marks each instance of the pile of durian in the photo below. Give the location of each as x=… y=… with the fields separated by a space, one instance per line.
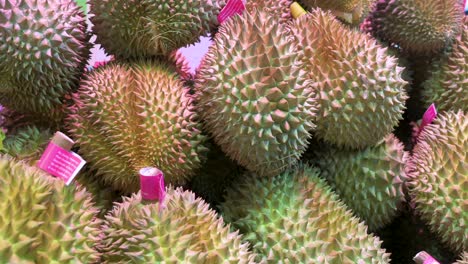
x=297 y=139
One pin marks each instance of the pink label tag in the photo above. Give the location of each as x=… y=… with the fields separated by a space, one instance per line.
x=152 y=184
x=430 y=260
x=61 y=163
x=428 y=117
x=232 y=7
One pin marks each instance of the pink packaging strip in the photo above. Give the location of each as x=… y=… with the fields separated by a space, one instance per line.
x=428 y=117
x=61 y=163
x=152 y=184
x=232 y=7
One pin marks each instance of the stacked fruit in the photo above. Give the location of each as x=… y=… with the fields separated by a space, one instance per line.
x=300 y=128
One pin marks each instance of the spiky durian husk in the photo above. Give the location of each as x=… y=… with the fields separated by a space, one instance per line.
x=463 y=258
x=27 y=143
x=278 y=8
x=370 y=181
x=130 y=116
x=184 y=230
x=438 y=178
x=181 y=65
x=296 y=218
x=349 y=11
x=448 y=85
x=417 y=26
x=42 y=220
x=253 y=96
x=152 y=27
x=218 y=173
x=357 y=83
x=42 y=51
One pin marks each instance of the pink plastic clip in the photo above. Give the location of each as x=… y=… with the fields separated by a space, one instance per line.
x=232 y=7
x=428 y=117
x=152 y=184
x=61 y=163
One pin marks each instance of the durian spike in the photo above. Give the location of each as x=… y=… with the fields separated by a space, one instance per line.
x=424 y=258
x=297 y=10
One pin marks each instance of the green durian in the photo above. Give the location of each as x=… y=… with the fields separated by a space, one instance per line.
x=369 y=181
x=130 y=29
x=438 y=172
x=278 y=8
x=358 y=84
x=130 y=116
x=43 y=50
x=253 y=95
x=180 y=230
x=447 y=86
x=416 y=26
x=27 y=143
x=44 y=221
x=463 y=258
x=296 y=218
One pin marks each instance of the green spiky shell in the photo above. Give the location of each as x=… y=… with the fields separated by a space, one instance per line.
x=216 y=174
x=130 y=116
x=27 y=143
x=296 y=218
x=42 y=220
x=277 y=8
x=184 y=230
x=463 y=258
x=370 y=182
x=253 y=96
x=448 y=85
x=417 y=26
x=152 y=27
x=438 y=178
x=42 y=54
x=358 y=84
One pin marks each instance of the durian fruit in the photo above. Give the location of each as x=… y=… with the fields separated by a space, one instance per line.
x=130 y=116
x=218 y=173
x=27 y=143
x=463 y=258
x=349 y=11
x=416 y=26
x=42 y=54
x=296 y=218
x=448 y=85
x=152 y=27
x=369 y=181
x=183 y=230
x=253 y=95
x=44 y=221
x=278 y=8
x=438 y=172
x=357 y=83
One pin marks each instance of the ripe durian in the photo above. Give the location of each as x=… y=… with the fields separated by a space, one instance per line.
x=417 y=26
x=448 y=85
x=253 y=96
x=369 y=181
x=358 y=84
x=438 y=172
x=277 y=8
x=296 y=218
x=42 y=54
x=44 y=221
x=154 y=27
x=463 y=258
x=130 y=116
x=183 y=230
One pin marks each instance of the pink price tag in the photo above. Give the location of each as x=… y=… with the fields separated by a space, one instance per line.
x=61 y=163
x=428 y=117
x=152 y=184
x=232 y=7
x=430 y=260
